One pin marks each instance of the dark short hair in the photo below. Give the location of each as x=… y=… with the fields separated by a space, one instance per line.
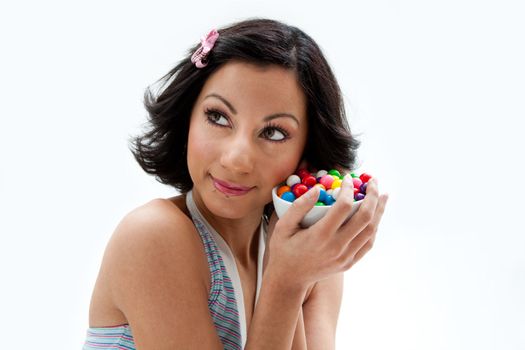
x=161 y=150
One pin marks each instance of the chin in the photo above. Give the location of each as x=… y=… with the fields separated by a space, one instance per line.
x=228 y=211
x=232 y=207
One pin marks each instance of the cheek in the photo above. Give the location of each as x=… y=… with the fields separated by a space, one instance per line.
x=199 y=146
x=283 y=164
x=285 y=161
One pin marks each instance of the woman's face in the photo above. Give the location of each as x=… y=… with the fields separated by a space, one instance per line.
x=247 y=133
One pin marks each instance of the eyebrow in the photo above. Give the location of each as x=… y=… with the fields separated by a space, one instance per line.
x=267 y=118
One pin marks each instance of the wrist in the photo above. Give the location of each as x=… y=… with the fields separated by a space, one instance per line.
x=276 y=280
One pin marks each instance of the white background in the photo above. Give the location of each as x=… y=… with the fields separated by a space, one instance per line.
x=435 y=88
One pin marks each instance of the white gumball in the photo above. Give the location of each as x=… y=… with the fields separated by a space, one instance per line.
x=292 y=180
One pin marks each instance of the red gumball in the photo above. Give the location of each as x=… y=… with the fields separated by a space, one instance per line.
x=299 y=190
x=365 y=177
x=302 y=173
x=356 y=190
x=309 y=181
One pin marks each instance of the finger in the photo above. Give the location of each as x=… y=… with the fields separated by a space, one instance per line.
x=371 y=229
x=364 y=241
x=302 y=205
x=380 y=209
x=383 y=199
x=362 y=251
x=342 y=207
x=364 y=215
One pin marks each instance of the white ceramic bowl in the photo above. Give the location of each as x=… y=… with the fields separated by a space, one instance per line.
x=314 y=215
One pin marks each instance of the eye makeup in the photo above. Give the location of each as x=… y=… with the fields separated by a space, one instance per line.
x=214 y=115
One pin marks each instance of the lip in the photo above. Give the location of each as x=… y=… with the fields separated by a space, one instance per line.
x=229 y=188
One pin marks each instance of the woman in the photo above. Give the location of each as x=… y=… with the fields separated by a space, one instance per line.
x=214 y=268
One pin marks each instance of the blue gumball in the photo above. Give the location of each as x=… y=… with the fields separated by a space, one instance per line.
x=329 y=200
x=288 y=196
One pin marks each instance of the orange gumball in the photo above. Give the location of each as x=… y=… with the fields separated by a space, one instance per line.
x=283 y=189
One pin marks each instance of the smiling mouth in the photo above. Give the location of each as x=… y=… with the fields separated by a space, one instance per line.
x=229 y=188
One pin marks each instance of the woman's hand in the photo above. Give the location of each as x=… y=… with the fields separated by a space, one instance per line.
x=301 y=257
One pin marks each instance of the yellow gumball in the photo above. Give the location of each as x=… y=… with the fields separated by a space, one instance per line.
x=336 y=183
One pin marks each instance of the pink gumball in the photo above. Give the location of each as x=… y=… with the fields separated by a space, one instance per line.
x=326 y=181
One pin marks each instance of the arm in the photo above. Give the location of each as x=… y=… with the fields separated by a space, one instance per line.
x=276 y=316
x=299 y=338
x=321 y=312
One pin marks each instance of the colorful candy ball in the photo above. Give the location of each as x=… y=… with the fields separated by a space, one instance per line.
x=299 y=190
x=365 y=177
x=329 y=182
x=359 y=197
x=283 y=189
x=321 y=173
x=292 y=180
x=309 y=180
x=288 y=196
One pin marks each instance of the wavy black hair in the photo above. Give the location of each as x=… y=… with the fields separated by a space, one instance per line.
x=161 y=150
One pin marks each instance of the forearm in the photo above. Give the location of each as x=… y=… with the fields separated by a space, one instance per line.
x=299 y=338
x=276 y=316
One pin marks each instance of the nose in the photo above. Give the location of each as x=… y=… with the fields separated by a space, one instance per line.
x=237 y=155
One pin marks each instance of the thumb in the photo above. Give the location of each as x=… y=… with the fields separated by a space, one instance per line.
x=302 y=205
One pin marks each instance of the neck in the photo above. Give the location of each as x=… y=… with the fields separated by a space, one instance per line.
x=240 y=234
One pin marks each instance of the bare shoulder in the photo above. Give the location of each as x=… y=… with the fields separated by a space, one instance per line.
x=158 y=228
x=155 y=273
x=152 y=239
x=153 y=219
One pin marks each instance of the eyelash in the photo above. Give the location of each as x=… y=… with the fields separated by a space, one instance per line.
x=270 y=125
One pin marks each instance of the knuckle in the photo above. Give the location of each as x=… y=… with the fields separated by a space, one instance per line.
x=373 y=186
x=296 y=205
x=344 y=261
x=336 y=252
x=341 y=260
x=367 y=215
x=345 y=202
x=374 y=191
x=369 y=233
x=348 y=264
x=369 y=244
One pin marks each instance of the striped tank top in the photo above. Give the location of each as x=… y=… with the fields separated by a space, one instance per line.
x=225 y=301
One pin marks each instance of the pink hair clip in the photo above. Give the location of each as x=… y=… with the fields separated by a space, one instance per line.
x=202 y=52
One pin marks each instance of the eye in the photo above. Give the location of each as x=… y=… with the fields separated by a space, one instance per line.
x=274 y=133
x=216 y=118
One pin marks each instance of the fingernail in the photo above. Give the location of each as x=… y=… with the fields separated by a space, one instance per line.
x=347 y=180
x=310 y=193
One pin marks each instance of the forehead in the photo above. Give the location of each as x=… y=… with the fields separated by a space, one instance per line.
x=264 y=89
